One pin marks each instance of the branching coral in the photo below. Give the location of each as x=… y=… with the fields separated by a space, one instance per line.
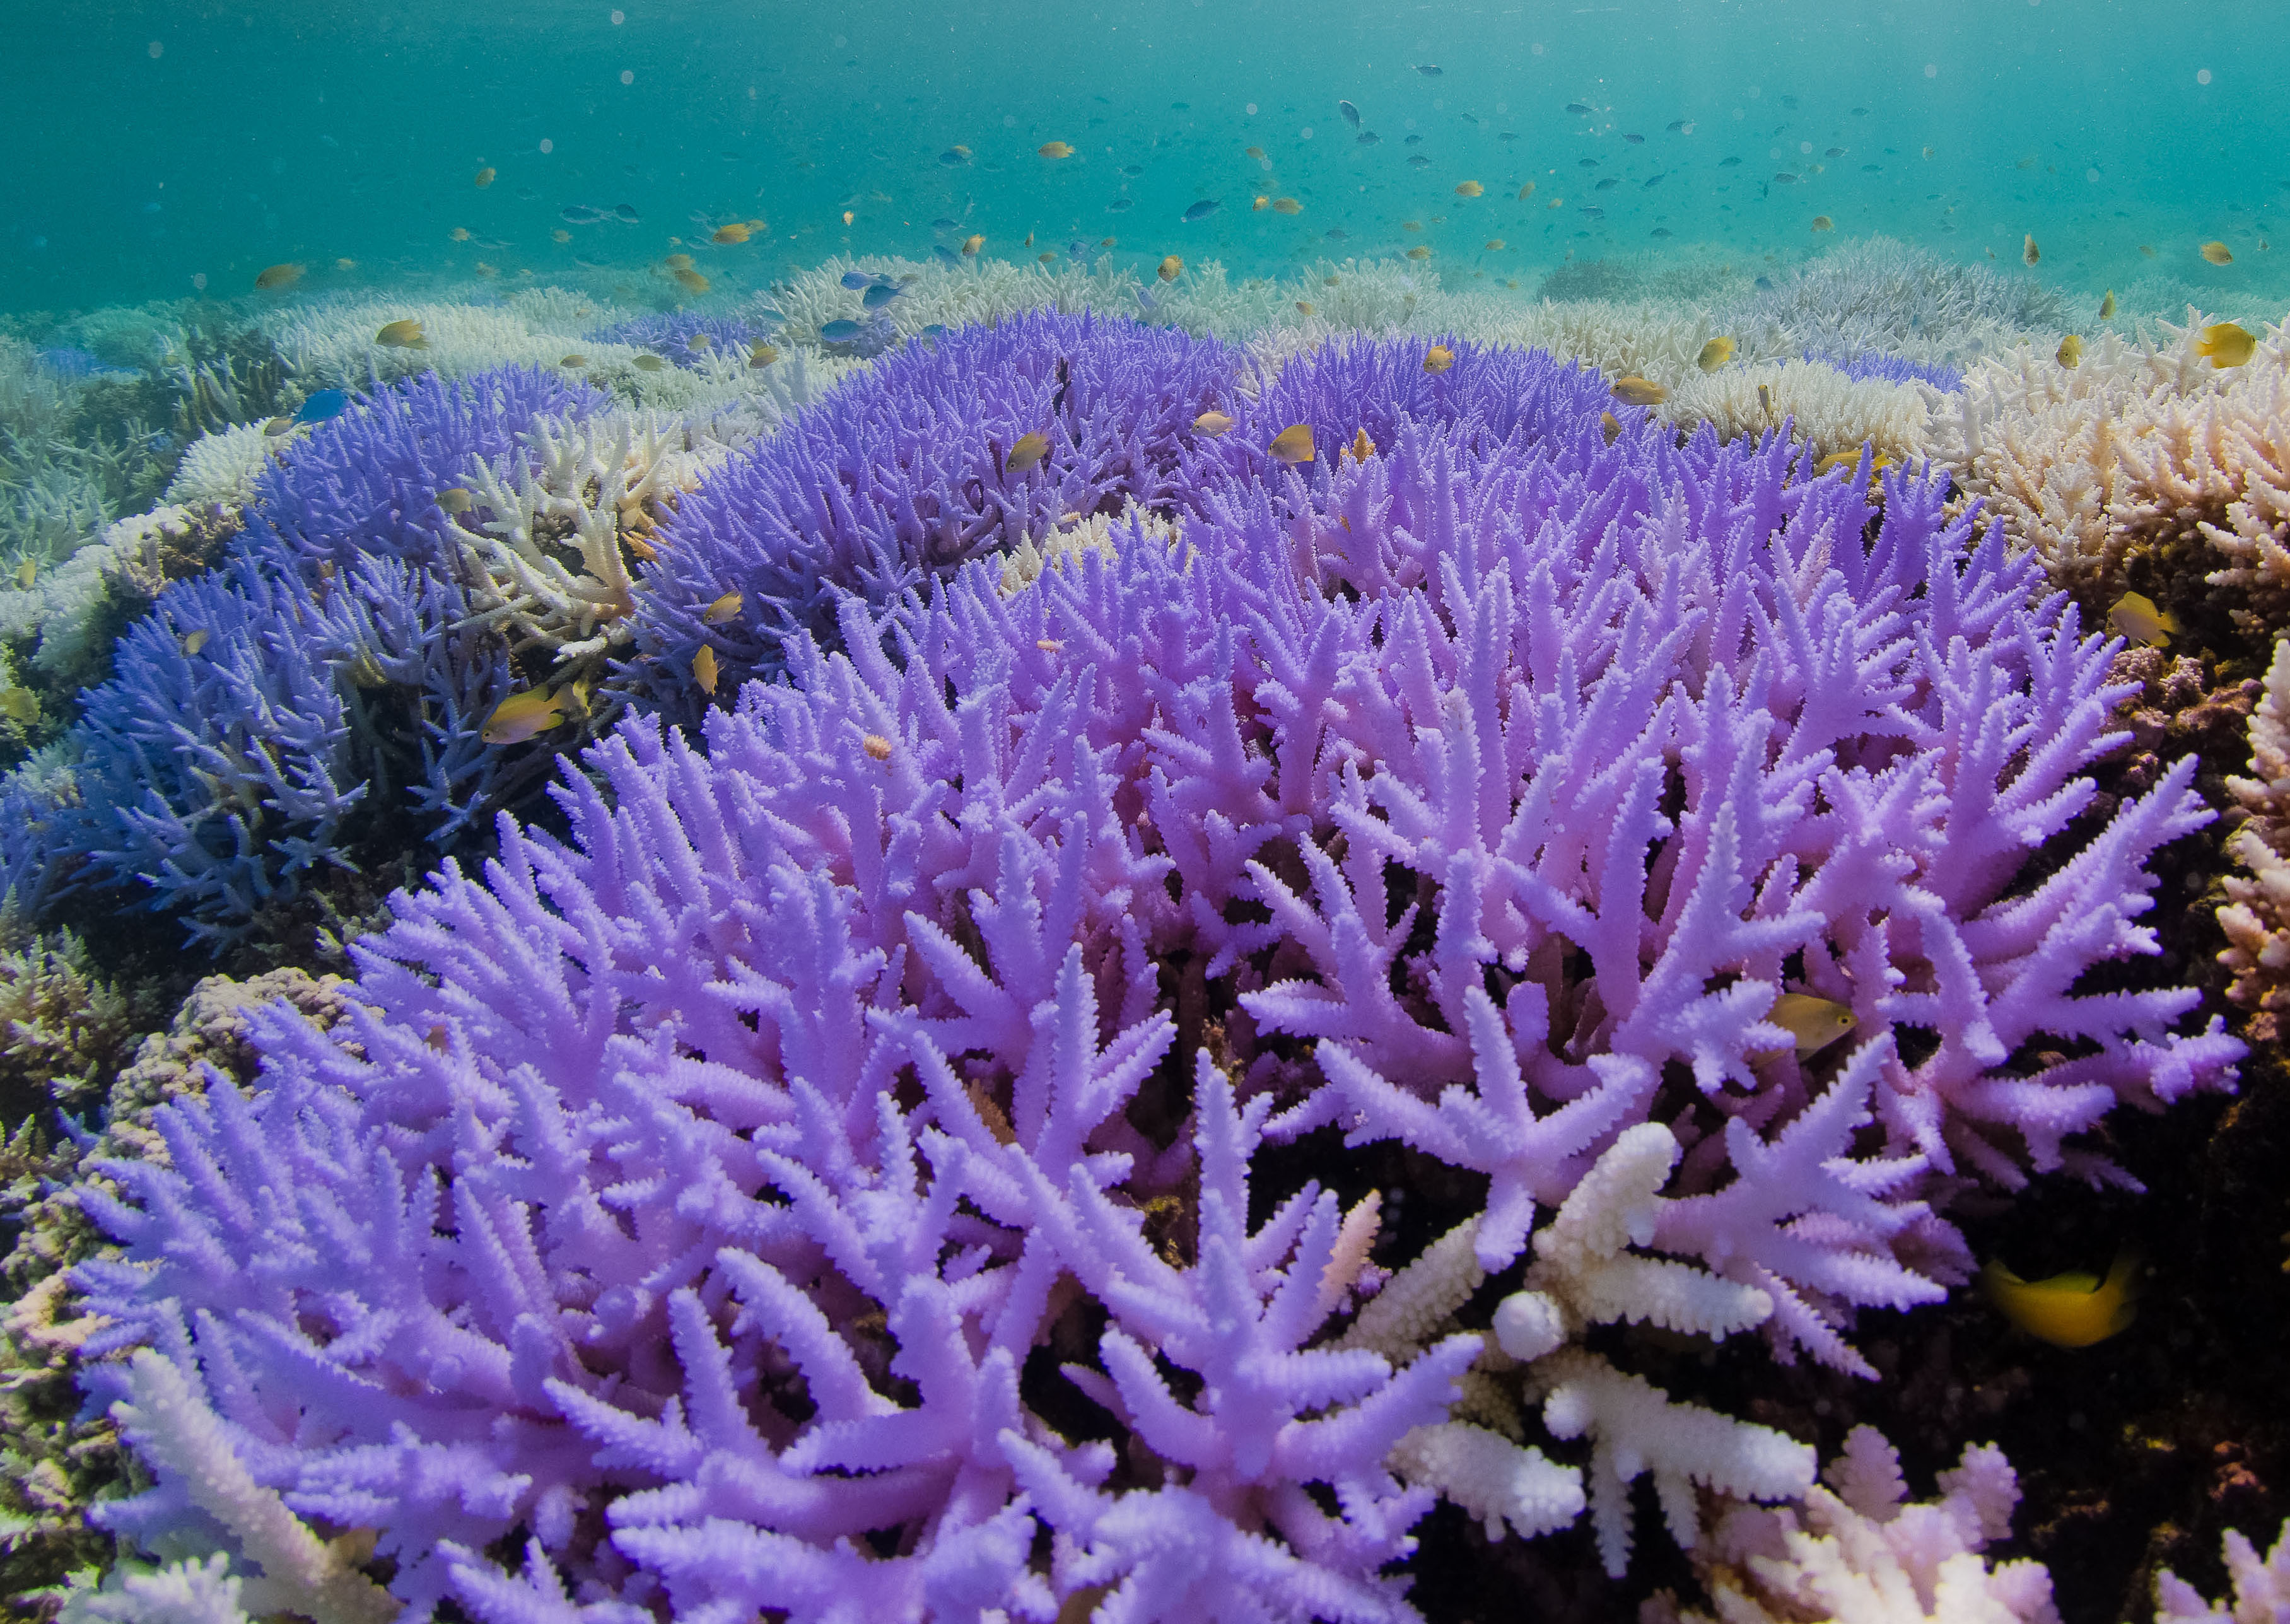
x=2256 y=918
x=2261 y=1587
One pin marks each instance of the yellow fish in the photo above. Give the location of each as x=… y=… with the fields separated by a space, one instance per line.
x=1054 y=149
x=2028 y=252
x=1470 y=189
x=972 y=244
x=1108 y=242
x=692 y=280
x=483 y=178
x=2070 y=1310
x=573 y=363
x=1815 y=1023
x=452 y=498
x=21 y=705
x=1928 y=151
x=1714 y=354
x=1849 y=459
x=1821 y=222
x=703 y=669
x=485 y=269
x=1437 y=359
x=1262 y=204
x=2137 y=618
x=27 y=572
x=1411 y=225
x=1494 y=244
x=1294 y=445
x=2071 y=351
x=1286 y=205
x=1028 y=243
x=1527 y=191
x=1419 y=252
x=273 y=277
x=1361 y=448
x=1256 y=152
x=1303 y=306
x=194 y=642
x=2226 y=344
x=560 y=235
x=2107 y=306
x=1032 y=446
x=699 y=342
x=459 y=233
x=1764 y=399
x=2147 y=249
x=723 y=609
x=1211 y=423
x=352 y=264
x=1612 y=424
x=522 y=715
x=2218 y=254
x=648 y=363
x=1170 y=269
x=762 y=354
x=401 y=335
x=736 y=232
x=1638 y=392
x=1046 y=257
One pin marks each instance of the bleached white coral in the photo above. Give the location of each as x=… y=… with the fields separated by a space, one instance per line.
x=188 y=1591
x=330 y=343
x=222 y=465
x=2256 y=918
x=1854 y=1553
x=2261 y=1587
x=1822 y=406
x=63 y=606
x=1495 y=1480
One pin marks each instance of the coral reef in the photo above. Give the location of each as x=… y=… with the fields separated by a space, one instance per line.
x=2256 y=918
x=834 y=1175
x=1882 y=294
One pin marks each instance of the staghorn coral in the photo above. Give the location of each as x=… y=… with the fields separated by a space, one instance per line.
x=62 y=1027
x=70 y=615
x=1819 y=406
x=2261 y=1587
x=224 y=466
x=2256 y=918
x=758 y=1167
x=1882 y=294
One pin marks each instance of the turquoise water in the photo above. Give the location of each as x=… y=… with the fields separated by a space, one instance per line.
x=159 y=150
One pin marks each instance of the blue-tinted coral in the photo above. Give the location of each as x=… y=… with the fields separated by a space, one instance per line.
x=1875 y=365
x=668 y=334
x=902 y=473
x=681 y=1204
x=366 y=481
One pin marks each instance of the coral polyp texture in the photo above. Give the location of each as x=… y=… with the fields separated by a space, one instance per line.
x=836 y=1178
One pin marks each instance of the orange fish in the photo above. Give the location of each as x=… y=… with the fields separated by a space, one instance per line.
x=972 y=244
x=736 y=232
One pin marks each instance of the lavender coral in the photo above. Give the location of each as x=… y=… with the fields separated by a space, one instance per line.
x=747 y=1203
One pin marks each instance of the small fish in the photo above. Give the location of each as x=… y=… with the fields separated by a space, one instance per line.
x=1304 y=307
x=1419 y=161
x=2028 y=253
x=1835 y=152
x=2147 y=249
x=1714 y=354
x=1526 y=192
x=1590 y=211
x=2137 y=617
x=1054 y=149
x=971 y=244
x=2071 y=351
x=459 y=233
x=1361 y=448
x=1121 y=206
x=1821 y=222
x=723 y=609
x=1351 y=113
x=1635 y=141
x=2071 y=1310
x=1576 y=107
x=1256 y=152
x=945 y=255
x=580 y=214
x=523 y=715
x=1261 y=205
x=1494 y=244
x=1337 y=234
x=2217 y=253
x=1429 y=70
x=1367 y=138
x=1170 y=269
x=1286 y=205
x=1655 y=180
x=1032 y=446
x=1612 y=425
x=954 y=157
x=352 y=264
x=1729 y=163
x=1211 y=423
x=627 y=211
x=193 y=642
x=2226 y=344
x=1849 y=459
x=272 y=279
x=404 y=334
x=2027 y=163
x=452 y=498
x=485 y=269
x=652 y=364
x=703 y=669
x=1293 y=445
x=1764 y=399
x=27 y=572
x=1108 y=242
x=1411 y=225
x=573 y=363
x=1470 y=189
x=1663 y=231
x=1815 y=1023
x=875 y=297
x=839 y=331
x=762 y=354
x=942 y=223
x=559 y=234
x=1419 y=252
x=1635 y=391
x=699 y=342
x=323 y=405
x=483 y=179
x=1202 y=210
x=1437 y=359
x=1133 y=170
x=2107 y=306
x=1677 y=126
x=1607 y=185
x=1785 y=179
x=736 y=232
x=1928 y=152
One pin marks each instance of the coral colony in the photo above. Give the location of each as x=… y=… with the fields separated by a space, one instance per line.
x=846 y=1170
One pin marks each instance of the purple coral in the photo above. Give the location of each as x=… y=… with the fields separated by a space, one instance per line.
x=669 y=334
x=703 y=1196
x=1875 y=365
x=903 y=473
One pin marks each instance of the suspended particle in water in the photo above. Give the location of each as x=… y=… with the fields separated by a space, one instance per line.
x=547 y=146
x=1304 y=134
x=1931 y=71
x=156 y=49
x=628 y=76
x=1252 y=109
x=2202 y=75
x=619 y=18
x=199 y=281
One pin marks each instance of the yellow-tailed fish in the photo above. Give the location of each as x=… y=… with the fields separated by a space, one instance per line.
x=2071 y=351
x=2137 y=617
x=723 y=609
x=972 y=243
x=401 y=335
x=1814 y=1023
x=1633 y=391
x=522 y=715
x=1170 y=269
x=703 y=669
x=2147 y=249
x=277 y=425
x=1292 y=444
x=1612 y=424
x=2218 y=254
x=692 y=280
x=1714 y=354
x=877 y=745
x=560 y=235
x=452 y=498
x=1032 y=446
x=2028 y=252
x=1470 y=188
x=2226 y=344
x=1211 y=423
x=701 y=341
x=1054 y=149
x=2107 y=306
x=1765 y=400
x=736 y=232
x=2071 y=1310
